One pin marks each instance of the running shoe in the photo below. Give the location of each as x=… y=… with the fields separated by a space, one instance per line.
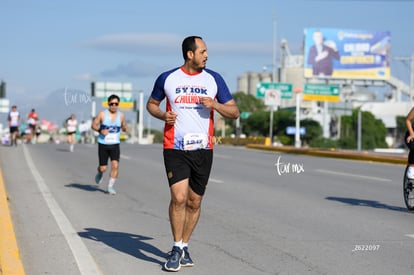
x=111 y=191
x=185 y=259
x=98 y=178
x=173 y=262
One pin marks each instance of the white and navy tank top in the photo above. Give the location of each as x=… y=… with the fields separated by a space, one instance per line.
x=114 y=127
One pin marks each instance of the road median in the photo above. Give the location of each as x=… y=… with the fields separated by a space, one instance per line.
x=335 y=153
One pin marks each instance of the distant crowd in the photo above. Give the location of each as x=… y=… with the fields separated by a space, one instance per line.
x=29 y=130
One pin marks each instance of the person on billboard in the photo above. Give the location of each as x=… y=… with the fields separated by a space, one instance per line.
x=321 y=55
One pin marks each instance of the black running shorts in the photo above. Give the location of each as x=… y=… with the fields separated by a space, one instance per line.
x=14 y=129
x=108 y=151
x=410 y=146
x=192 y=165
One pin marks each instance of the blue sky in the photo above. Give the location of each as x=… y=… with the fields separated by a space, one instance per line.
x=47 y=46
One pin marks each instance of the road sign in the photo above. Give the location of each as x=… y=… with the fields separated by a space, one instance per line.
x=321 y=92
x=291 y=130
x=124 y=103
x=105 y=89
x=4 y=105
x=245 y=115
x=284 y=88
x=272 y=97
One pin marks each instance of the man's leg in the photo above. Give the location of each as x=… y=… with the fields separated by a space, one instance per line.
x=177 y=209
x=410 y=170
x=184 y=210
x=177 y=213
x=114 y=169
x=113 y=176
x=192 y=214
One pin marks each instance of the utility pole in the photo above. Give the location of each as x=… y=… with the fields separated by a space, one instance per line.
x=274 y=49
x=141 y=115
x=411 y=59
x=273 y=79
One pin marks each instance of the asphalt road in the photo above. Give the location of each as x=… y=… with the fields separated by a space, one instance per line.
x=263 y=213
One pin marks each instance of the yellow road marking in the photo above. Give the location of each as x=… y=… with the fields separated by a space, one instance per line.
x=10 y=262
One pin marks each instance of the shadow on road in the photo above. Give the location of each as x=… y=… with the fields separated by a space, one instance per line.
x=367 y=203
x=86 y=187
x=131 y=244
x=63 y=149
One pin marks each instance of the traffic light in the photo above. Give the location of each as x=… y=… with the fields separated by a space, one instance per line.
x=3 y=89
x=92 y=89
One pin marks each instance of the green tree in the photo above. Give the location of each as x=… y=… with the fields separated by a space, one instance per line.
x=313 y=130
x=257 y=124
x=373 y=131
x=246 y=104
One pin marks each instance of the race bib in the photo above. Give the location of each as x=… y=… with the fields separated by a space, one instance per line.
x=195 y=141
x=111 y=138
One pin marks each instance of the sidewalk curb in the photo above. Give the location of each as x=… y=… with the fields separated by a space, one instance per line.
x=334 y=153
x=10 y=262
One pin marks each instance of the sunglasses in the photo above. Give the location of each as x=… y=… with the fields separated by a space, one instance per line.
x=113 y=104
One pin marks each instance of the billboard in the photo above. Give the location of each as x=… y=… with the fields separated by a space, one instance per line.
x=346 y=54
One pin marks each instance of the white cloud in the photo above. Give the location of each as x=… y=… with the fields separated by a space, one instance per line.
x=164 y=43
x=85 y=77
x=161 y=43
x=240 y=48
x=133 y=69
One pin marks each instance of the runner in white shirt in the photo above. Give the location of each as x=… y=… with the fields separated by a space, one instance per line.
x=192 y=94
x=13 y=118
x=71 y=127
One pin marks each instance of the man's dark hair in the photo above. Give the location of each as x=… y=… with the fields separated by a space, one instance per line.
x=111 y=97
x=189 y=45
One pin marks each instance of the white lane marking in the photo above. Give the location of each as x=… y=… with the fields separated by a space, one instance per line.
x=351 y=175
x=217 y=181
x=125 y=157
x=222 y=156
x=409 y=235
x=84 y=260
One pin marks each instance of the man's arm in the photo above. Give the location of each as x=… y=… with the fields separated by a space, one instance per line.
x=96 y=123
x=124 y=125
x=227 y=110
x=153 y=107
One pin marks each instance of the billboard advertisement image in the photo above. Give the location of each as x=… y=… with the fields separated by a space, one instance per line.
x=346 y=54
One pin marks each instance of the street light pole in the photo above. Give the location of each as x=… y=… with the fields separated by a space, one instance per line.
x=359 y=129
x=273 y=79
x=141 y=114
x=271 y=125
x=411 y=80
x=274 y=49
x=297 y=131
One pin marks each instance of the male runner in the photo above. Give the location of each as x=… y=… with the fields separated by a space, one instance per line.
x=109 y=124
